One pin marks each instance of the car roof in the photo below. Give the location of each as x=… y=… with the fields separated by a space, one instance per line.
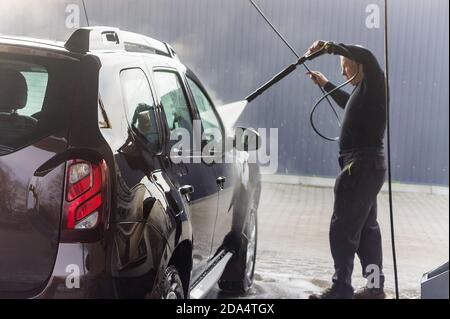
x=35 y=46
x=32 y=42
x=56 y=49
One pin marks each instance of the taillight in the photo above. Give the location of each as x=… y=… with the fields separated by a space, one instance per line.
x=80 y=179
x=85 y=196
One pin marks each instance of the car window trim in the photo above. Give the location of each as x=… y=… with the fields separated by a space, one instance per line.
x=186 y=93
x=104 y=114
x=125 y=103
x=203 y=90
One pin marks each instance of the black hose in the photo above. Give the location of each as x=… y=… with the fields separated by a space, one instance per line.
x=313 y=110
x=388 y=133
x=324 y=93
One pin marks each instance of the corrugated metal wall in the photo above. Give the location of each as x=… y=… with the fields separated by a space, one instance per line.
x=233 y=51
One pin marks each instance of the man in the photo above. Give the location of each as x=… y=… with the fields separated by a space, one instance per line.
x=354 y=227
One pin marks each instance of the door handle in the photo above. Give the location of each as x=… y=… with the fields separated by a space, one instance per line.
x=221 y=182
x=186 y=191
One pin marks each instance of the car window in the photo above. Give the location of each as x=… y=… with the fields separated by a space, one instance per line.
x=139 y=104
x=173 y=100
x=207 y=114
x=34 y=99
x=37 y=85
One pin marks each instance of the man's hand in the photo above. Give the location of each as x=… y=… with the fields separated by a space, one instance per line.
x=316 y=46
x=317 y=78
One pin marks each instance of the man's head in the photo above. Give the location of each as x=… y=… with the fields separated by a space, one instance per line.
x=350 y=68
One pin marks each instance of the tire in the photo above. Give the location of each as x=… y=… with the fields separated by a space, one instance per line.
x=238 y=276
x=171 y=285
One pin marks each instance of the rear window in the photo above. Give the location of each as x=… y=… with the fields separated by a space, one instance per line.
x=35 y=94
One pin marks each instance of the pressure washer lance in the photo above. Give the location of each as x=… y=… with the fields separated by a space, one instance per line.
x=304 y=64
x=325 y=49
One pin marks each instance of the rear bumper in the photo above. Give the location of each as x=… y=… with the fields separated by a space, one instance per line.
x=80 y=272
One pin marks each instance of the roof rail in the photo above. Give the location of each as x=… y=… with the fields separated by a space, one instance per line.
x=91 y=39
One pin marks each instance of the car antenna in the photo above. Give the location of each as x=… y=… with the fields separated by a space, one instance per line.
x=85 y=13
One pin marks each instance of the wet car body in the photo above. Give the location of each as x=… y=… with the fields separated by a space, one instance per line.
x=113 y=232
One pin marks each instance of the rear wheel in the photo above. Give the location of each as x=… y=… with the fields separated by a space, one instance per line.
x=238 y=277
x=172 y=288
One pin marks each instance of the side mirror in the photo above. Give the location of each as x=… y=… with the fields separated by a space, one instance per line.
x=247 y=139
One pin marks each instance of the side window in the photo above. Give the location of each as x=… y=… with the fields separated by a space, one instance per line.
x=207 y=115
x=37 y=86
x=173 y=100
x=139 y=105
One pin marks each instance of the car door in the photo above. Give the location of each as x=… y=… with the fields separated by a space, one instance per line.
x=186 y=164
x=116 y=79
x=129 y=125
x=222 y=166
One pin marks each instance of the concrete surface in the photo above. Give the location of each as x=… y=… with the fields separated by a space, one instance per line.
x=329 y=182
x=294 y=260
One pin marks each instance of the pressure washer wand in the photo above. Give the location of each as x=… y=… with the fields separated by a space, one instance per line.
x=254 y=95
x=271 y=82
x=283 y=74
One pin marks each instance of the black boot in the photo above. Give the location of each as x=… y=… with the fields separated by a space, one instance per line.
x=333 y=293
x=370 y=293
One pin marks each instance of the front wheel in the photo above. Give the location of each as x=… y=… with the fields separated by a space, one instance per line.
x=238 y=276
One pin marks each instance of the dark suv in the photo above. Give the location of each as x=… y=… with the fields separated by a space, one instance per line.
x=93 y=203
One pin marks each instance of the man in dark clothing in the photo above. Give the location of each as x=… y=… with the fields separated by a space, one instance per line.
x=354 y=227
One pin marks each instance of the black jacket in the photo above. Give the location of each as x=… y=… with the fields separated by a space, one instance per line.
x=364 y=120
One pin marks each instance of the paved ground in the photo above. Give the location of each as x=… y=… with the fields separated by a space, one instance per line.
x=293 y=251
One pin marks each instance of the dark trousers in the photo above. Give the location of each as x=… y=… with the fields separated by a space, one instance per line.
x=354 y=227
